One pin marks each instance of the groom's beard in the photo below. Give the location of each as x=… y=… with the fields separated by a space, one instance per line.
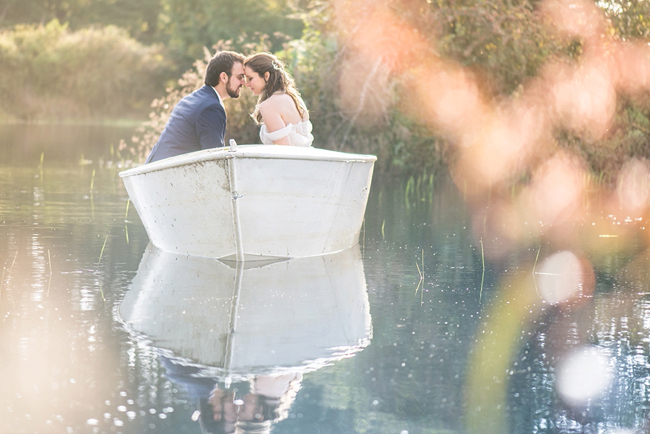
x=234 y=93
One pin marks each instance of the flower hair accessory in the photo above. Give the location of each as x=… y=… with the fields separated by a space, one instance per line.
x=275 y=65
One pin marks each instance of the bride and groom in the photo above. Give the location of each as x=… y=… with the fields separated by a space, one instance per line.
x=198 y=121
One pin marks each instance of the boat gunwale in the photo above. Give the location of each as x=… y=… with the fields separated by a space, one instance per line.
x=248 y=152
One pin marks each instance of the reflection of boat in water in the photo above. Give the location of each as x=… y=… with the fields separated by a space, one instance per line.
x=237 y=336
x=294 y=315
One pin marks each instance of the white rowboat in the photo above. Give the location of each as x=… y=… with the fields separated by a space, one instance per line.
x=253 y=201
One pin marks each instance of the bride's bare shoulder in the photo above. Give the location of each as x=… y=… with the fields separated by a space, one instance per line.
x=275 y=102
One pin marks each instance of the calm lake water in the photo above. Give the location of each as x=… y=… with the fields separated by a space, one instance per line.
x=425 y=327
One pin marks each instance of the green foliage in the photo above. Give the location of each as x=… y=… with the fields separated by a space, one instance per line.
x=184 y=26
x=53 y=72
x=630 y=18
x=506 y=42
x=139 y=18
x=503 y=38
x=628 y=138
x=193 y=24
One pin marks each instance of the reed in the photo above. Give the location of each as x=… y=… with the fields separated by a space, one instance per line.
x=533 y=271
x=102 y=252
x=40 y=165
x=92 y=181
x=421 y=283
x=3 y=279
x=13 y=262
x=101 y=292
x=1 y=284
x=419 y=188
x=409 y=186
x=49 y=282
x=423 y=263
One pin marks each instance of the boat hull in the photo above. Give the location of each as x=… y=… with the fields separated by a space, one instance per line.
x=253 y=203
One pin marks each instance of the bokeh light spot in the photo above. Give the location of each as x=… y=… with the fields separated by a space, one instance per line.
x=583 y=375
x=560 y=278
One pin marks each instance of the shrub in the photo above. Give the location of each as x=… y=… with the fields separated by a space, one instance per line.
x=49 y=71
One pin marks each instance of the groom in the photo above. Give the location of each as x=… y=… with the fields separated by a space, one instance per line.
x=199 y=120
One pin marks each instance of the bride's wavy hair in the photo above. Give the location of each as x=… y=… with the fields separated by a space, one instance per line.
x=279 y=80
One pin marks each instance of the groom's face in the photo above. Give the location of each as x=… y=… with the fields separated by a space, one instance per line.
x=236 y=81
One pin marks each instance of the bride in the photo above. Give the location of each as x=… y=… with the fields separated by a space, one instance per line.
x=280 y=110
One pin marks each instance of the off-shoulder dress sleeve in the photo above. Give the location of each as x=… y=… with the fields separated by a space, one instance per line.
x=299 y=135
x=269 y=138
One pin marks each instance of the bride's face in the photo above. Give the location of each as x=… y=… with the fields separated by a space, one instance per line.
x=254 y=81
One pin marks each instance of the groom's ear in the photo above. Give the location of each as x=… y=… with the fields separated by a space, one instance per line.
x=223 y=77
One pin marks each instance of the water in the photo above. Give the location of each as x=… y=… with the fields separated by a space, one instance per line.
x=25 y=144
x=103 y=333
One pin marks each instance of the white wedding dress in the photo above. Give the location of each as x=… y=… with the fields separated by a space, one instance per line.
x=298 y=134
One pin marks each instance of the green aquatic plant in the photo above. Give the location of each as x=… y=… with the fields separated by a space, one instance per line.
x=102 y=251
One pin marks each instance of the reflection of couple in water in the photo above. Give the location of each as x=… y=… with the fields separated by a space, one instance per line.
x=224 y=337
x=267 y=401
x=198 y=121
x=244 y=407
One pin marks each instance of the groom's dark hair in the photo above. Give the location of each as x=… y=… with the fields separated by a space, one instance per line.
x=223 y=61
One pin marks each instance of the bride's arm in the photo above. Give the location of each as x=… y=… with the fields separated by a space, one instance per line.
x=271 y=117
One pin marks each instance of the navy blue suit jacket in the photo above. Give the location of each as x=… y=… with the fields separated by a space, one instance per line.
x=197 y=122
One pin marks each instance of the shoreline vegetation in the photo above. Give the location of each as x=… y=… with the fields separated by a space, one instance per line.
x=126 y=122
x=83 y=66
